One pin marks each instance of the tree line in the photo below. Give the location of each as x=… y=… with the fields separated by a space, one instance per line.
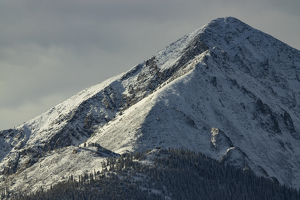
x=173 y=173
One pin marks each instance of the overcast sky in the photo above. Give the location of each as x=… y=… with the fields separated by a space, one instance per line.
x=50 y=50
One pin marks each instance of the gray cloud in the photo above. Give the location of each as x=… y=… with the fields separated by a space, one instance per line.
x=290 y=7
x=50 y=50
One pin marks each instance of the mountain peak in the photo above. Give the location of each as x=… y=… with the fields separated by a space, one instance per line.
x=225 y=75
x=225 y=21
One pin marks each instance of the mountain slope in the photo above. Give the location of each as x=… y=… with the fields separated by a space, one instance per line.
x=245 y=85
x=73 y=121
x=226 y=90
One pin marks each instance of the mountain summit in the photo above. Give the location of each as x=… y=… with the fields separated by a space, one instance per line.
x=226 y=90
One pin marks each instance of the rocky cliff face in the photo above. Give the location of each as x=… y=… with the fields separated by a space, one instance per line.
x=227 y=90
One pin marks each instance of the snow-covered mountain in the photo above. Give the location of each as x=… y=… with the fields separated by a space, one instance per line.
x=226 y=90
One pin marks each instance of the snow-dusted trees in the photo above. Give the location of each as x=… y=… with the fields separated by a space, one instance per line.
x=176 y=173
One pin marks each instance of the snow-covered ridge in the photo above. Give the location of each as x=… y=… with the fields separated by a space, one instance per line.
x=228 y=76
x=74 y=120
x=241 y=89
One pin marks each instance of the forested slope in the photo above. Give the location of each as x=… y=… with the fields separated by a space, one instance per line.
x=167 y=174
